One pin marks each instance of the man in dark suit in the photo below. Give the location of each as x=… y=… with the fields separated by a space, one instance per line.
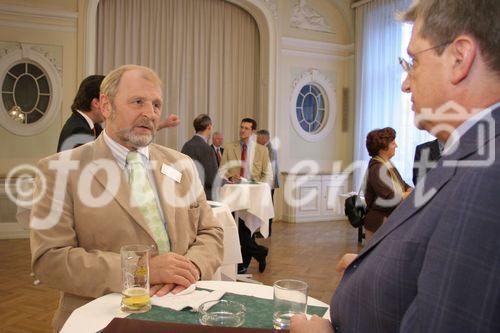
x=426 y=156
x=198 y=149
x=434 y=265
x=217 y=142
x=83 y=124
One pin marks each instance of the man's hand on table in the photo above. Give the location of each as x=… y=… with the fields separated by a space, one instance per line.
x=163 y=289
x=171 y=272
x=300 y=324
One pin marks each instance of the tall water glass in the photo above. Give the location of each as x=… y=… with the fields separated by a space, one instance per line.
x=290 y=298
x=135 y=278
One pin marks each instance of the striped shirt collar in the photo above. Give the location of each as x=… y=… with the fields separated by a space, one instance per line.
x=120 y=152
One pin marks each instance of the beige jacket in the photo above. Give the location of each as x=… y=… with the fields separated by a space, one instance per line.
x=258 y=157
x=79 y=252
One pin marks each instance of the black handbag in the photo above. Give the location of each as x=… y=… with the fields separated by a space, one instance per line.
x=355 y=209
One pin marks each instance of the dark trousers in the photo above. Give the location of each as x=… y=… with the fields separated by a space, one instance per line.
x=249 y=247
x=271 y=220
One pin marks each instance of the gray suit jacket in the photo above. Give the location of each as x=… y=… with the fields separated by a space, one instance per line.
x=273 y=158
x=205 y=160
x=433 y=268
x=77 y=249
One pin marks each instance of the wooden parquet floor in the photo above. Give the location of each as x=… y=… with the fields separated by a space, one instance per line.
x=307 y=251
x=24 y=307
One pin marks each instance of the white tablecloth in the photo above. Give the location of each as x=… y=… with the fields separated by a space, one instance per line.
x=96 y=315
x=252 y=202
x=232 y=249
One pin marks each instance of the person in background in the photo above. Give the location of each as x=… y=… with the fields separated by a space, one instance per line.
x=247 y=159
x=84 y=123
x=431 y=150
x=263 y=138
x=217 y=142
x=198 y=149
x=385 y=188
x=433 y=265
x=121 y=189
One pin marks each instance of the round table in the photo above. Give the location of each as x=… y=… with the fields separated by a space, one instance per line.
x=96 y=315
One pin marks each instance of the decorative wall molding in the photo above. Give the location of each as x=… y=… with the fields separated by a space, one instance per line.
x=37 y=12
x=272 y=5
x=16 y=16
x=316 y=56
x=48 y=54
x=317 y=50
x=304 y=16
x=322 y=81
x=297 y=43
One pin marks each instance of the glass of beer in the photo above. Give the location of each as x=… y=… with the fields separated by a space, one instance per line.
x=290 y=298
x=135 y=278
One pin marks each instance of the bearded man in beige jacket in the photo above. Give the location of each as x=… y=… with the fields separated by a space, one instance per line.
x=86 y=214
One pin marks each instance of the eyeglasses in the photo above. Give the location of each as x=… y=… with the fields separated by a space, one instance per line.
x=408 y=65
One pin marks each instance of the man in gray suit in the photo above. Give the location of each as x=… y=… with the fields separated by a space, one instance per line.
x=434 y=266
x=198 y=149
x=263 y=138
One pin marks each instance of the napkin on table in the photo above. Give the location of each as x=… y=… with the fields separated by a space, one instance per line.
x=190 y=297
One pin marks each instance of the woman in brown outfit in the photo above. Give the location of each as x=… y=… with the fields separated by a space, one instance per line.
x=385 y=189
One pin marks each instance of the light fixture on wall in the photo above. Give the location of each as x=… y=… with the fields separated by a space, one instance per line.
x=17 y=114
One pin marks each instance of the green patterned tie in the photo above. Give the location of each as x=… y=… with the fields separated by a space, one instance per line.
x=144 y=197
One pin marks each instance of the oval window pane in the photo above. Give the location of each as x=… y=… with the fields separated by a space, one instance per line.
x=8 y=101
x=309 y=108
x=321 y=102
x=315 y=90
x=43 y=103
x=300 y=116
x=300 y=100
x=314 y=126
x=319 y=115
x=18 y=69
x=33 y=116
x=305 y=90
x=26 y=93
x=8 y=84
x=43 y=84
x=35 y=71
x=305 y=126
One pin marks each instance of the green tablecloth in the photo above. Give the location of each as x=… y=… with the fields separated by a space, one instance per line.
x=259 y=312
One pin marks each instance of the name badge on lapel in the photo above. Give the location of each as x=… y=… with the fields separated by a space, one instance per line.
x=170 y=172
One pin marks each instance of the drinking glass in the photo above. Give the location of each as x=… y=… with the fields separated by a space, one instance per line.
x=290 y=298
x=135 y=278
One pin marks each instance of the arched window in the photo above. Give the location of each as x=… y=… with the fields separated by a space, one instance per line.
x=30 y=82
x=313 y=106
x=310 y=108
x=25 y=92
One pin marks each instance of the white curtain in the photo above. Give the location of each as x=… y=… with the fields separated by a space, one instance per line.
x=205 y=51
x=380 y=40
